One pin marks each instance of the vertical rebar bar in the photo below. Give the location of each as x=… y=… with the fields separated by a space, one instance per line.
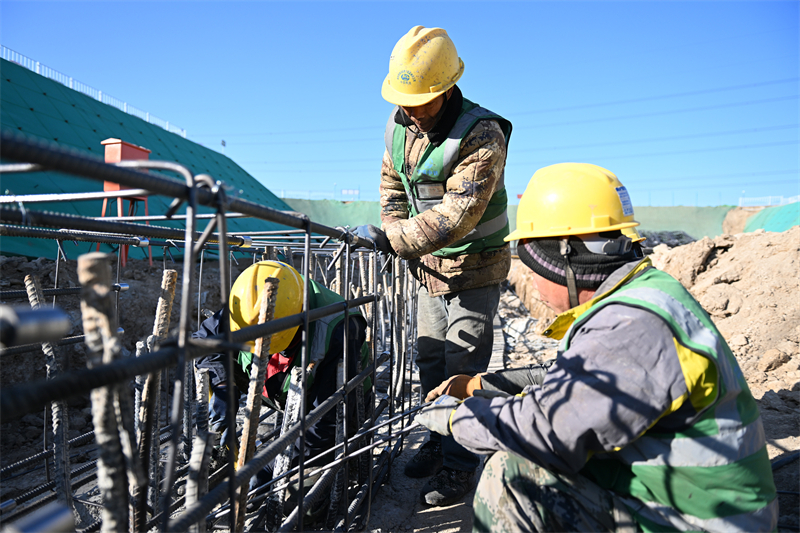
x=258 y=371
x=197 y=480
x=150 y=448
x=60 y=416
x=97 y=307
x=291 y=415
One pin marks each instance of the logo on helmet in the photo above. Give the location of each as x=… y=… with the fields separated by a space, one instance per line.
x=406 y=77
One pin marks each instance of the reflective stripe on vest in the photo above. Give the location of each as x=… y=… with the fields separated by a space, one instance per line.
x=715 y=474
x=425 y=194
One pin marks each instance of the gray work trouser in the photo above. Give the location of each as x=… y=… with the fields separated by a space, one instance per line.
x=455 y=337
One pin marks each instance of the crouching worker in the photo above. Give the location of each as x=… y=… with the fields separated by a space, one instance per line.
x=326 y=347
x=643 y=422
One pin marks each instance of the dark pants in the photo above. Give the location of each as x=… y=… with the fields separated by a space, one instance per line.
x=455 y=337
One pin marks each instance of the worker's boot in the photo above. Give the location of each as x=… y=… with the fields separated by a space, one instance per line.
x=447 y=487
x=426 y=462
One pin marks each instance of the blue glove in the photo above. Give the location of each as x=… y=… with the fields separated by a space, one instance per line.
x=376 y=235
x=436 y=416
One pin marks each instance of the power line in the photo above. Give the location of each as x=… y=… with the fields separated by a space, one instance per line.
x=537 y=111
x=570 y=123
x=722 y=176
x=726 y=186
x=658 y=113
x=662 y=97
x=546 y=148
x=660 y=139
x=674 y=152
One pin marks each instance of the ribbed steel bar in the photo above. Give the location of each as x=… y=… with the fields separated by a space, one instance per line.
x=52 y=157
x=217 y=495
x=17 y=400
x=60 y=415
x=61 y=220
x=68 y=197
x=12 y=295
x=39 y=233
x=24 y=348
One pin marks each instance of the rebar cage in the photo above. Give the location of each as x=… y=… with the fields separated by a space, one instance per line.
x=152 y=472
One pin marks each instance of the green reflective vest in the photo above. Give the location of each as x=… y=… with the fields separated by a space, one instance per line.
x=426 y=186
x=715 y=474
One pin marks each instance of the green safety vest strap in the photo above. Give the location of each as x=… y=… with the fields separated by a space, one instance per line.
x=426 y=186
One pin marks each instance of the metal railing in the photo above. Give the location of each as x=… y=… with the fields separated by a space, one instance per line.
x=768 y=201
x=386 y=296
x=43 y=70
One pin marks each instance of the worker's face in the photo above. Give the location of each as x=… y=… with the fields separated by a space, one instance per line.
x=426 y=116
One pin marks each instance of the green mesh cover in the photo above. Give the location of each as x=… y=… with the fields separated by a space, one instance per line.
x=41 y=108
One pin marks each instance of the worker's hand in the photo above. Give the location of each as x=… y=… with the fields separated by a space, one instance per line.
x=459 y=386
x=376 y=235
x=436 y=416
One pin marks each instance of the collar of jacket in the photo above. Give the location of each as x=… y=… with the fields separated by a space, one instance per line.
x=562 y=322
x=451 y=113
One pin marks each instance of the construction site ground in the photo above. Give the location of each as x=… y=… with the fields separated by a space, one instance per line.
x=748 y=283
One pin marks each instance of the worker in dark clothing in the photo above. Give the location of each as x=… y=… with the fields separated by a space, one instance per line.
x=326 y=348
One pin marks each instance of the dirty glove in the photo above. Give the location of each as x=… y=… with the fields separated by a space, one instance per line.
x=376 y=235
x=436 y=416
x=460 y=386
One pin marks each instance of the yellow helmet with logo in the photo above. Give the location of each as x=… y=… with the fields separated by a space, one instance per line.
x=245 y=299
x=572 y=199
x=423 y=65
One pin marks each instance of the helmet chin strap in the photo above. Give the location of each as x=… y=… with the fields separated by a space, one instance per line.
x=572 y=289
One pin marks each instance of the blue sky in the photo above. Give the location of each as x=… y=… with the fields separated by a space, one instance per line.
x=689 y=103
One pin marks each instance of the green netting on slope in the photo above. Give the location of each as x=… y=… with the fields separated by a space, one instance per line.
x=41 y=108
x=335 y=213
x=698 y=222
x=777 y=219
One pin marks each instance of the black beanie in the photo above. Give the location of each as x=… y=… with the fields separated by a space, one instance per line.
x=543 y=256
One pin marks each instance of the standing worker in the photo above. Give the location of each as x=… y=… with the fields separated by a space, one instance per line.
x=443 y=208
x=643 y=422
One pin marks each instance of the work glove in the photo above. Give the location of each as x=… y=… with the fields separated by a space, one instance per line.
x=436 y=416
x=459 y=386
x=376 y=235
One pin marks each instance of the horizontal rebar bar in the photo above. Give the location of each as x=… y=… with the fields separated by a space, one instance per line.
x=54 y=157
x=25 y=348
x=17 y=400
x=68 y=197
x=217 y=495
x=17 y=294
x=75 y=222
x=64 y=235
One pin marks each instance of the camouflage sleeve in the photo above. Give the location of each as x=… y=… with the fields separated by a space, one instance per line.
x=620 y=375
x=394 y=201
x=468 y=191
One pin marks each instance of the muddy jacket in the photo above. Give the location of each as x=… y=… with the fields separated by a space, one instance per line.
x=647 y=400
x=451 y=228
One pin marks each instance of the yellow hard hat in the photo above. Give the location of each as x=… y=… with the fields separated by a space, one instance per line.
x=423 y=65
x=572 y=199
x=245 y=300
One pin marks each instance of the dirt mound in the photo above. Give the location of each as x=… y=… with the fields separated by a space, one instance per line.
x=749 y=284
